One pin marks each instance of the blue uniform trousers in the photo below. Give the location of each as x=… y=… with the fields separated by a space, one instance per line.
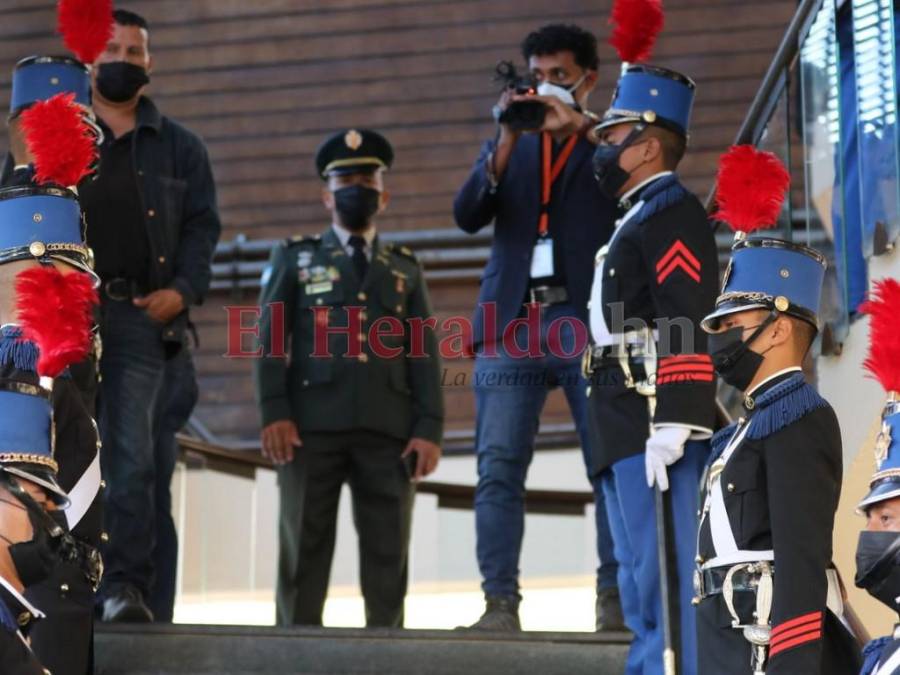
x=630 y=506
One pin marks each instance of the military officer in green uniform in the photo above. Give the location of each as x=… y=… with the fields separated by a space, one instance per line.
x=358 y=398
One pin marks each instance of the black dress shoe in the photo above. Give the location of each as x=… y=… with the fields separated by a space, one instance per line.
x=501 y=614
x=609 y=611
x=126 y=605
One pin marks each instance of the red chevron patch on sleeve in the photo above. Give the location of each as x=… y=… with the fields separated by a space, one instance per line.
x=795 y=632
x=678 y=257
x=685 y=368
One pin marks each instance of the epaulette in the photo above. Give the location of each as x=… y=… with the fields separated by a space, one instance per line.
x=303 y=239
x=662 y=194
x=777 y=408
x=782 y=405
x=22 y=354
x=405 y=251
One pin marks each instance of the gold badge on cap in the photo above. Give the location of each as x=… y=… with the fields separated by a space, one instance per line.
x=882 y=444
x=781 y=303
x=353 y=139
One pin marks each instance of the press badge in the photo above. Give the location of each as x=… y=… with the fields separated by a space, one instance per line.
x=542 y=258
x=322 y=287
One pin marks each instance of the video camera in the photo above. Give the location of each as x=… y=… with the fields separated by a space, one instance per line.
x=521 y=115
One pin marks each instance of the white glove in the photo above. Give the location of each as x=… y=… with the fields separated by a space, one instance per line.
x=664 y=447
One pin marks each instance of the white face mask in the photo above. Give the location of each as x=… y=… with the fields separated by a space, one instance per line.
x=561 y=92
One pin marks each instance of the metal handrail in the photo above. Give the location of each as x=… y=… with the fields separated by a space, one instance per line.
x=246 y=461
x=773 y=82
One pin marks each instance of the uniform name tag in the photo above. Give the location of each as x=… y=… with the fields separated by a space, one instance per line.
x=323 y=287
x=542 y=258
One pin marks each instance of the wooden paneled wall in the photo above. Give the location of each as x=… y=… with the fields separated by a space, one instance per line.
x=263 y=81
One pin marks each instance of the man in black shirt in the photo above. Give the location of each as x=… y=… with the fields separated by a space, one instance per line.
x=152 y=223
x=117 y=233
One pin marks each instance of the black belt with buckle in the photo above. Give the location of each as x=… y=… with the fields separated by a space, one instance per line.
x=120 y=289
x=708 y=582
x=602 y=357
x=548 y=295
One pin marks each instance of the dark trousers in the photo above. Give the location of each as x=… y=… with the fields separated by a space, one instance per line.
x=382 y=512
x=176 y=402
x=131 y=371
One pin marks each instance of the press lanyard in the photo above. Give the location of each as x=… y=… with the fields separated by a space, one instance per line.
x=549 y=174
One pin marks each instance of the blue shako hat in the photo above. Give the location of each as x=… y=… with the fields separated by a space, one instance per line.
x=652 y=95
x=769 y=273
x=885 y=482
x=38 y=78
x=883 y=363
x=43 y=224
x=27 y=435
x=764 y=272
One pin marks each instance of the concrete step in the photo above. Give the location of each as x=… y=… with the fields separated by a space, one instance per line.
x=245 y=650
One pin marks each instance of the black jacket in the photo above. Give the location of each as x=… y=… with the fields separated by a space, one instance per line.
x=661 y=271
x=178 y=198
x=780 y=489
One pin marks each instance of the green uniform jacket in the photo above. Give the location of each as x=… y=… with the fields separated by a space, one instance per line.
x=397 y=396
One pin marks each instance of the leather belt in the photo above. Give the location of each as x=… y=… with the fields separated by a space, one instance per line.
x=709 y=582
x=548 y=295
x=597 y=358
x=120 y=289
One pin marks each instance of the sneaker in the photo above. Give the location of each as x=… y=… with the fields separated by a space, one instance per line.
x=501 y=614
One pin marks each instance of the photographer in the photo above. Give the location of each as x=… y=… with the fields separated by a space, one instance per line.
x=537 y=188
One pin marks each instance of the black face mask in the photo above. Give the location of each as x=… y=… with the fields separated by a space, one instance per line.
x=356 y=205
x=611 y=177
x=733 y=359
x=878 y=566
x=36 y=558
x=120 y=81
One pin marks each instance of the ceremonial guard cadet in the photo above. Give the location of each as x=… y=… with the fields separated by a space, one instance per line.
x=653 y=283
x=53 y=141
x=345 y=408
x=46 y=310
x=774 y=479
x=63 y=641
x=30 y=537
x=878 y=551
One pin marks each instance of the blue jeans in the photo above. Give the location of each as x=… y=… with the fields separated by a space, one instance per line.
x=176 y=402
x=131 y=371
x=631 y=507
x=509 y=397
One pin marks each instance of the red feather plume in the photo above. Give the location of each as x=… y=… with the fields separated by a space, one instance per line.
x=56 y=312
x=636 y=25
x=86 y=26
x=59 y=139
x=750 y=188
x=883 y=308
